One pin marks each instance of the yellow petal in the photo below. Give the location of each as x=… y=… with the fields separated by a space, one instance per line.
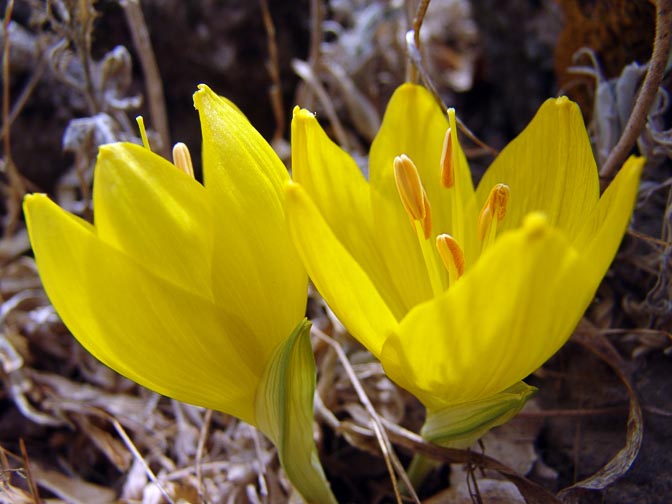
x=549 y=167
x=337 y=187
x=501 y=321
x=285 y=414
x=151 y=331
x=235 y=155
x=336 y=274
x=602 y=230
x=256 y=271
x=154 y=213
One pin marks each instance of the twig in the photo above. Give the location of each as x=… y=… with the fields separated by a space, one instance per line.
x=150 y=69
x=306 y=72
x=654 y=76
x=417 y=24
x=16 y=187
x=29 y=474
x=81 y=24
x=376 y=424
x=316 y=18
x=22 y=99
x=138 y=456
x=275 y=91
x=416 y=58
x=261 y=468
x=472 y=136
x=202 y=438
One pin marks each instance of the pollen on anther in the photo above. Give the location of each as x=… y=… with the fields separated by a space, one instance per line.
x=447 y=165
x=410 y=188
x=182 y=158
x=500 y=194
x=451 y=254
x=494 y=208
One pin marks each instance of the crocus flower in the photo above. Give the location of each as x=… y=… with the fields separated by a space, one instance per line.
x=194 y=291
x=460 y=293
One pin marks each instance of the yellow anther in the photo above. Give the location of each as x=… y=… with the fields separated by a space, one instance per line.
x=412 y=194
x=143 y=132
x=409 y=186
x=182 y=159
x=447 y=163
x=492 y=213
x=452 y=256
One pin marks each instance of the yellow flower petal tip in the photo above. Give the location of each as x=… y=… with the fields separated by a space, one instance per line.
x=563 y=101
x=292 y=189
x=536 y=224
x=299 y=113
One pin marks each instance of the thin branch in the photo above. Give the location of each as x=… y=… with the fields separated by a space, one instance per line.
x=29 y=474
x=275 y=91
x=26 y=92
x=202 y=438
x=415 y=57
x=654 y=76
x=138 y=456
x=376 y=423
x=417 y=24
x=316 y=18
x=306 y=72
x=153 y=83
x=16 y=186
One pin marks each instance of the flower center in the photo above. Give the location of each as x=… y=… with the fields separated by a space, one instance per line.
x=415 y=202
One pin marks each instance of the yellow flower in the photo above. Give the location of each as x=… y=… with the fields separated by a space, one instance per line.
x=193 y=291
x=460 y=293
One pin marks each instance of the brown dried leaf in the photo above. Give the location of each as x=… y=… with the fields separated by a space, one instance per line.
x=598 y=343
x=72 y=489
x=113 y=449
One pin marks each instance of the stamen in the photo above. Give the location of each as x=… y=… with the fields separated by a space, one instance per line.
x=412 y=194
x=182 y=159
x=447 y=165
x=450 y=177
x=492 y=213
x=452 y=256
x=143 y=132
x=410 y=187
x=415 y=201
